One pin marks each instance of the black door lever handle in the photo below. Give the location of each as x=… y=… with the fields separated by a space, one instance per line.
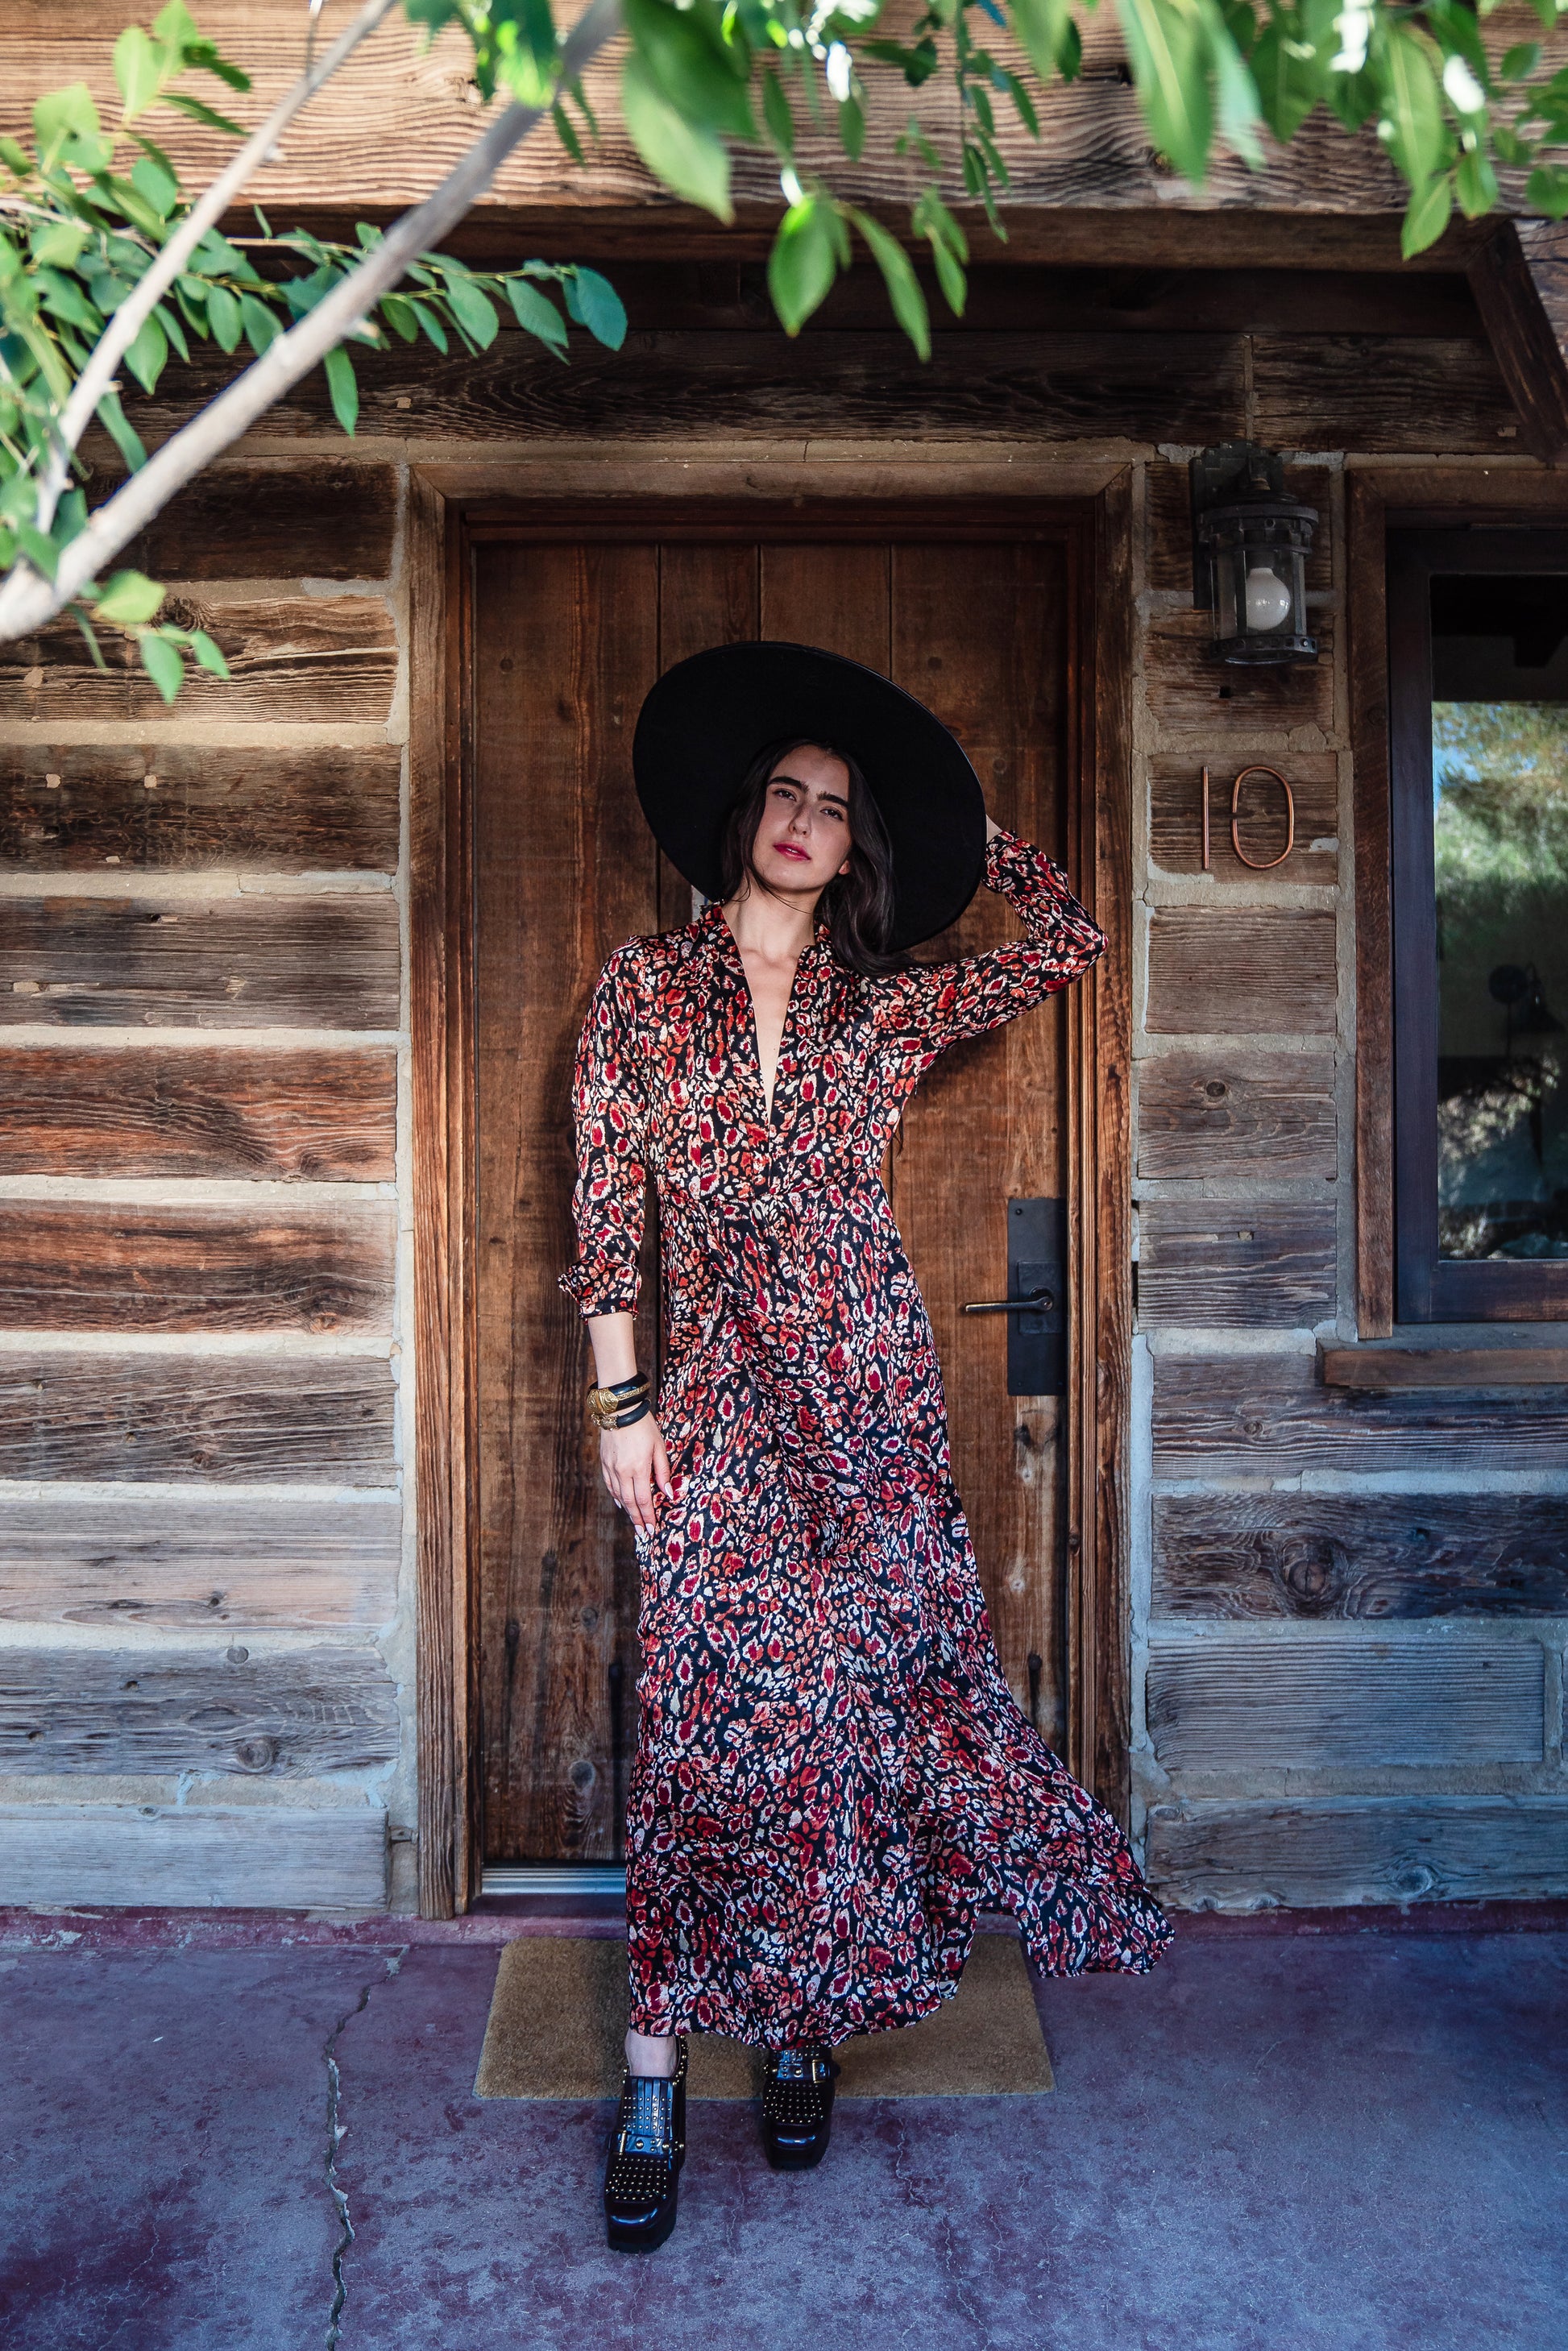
x=1038 y=1301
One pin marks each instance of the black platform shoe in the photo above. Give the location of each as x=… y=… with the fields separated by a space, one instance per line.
x=646 y=2158
x=798 y=2106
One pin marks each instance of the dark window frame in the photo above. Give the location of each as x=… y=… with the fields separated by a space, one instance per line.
x=1427 y=1288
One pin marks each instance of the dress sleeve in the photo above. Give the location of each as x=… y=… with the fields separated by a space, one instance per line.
x=610 y=1115
x=926 y=1008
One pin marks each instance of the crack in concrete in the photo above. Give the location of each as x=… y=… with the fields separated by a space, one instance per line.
x=336 y=2129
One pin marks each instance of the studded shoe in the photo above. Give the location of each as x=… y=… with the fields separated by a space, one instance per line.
x=798 y=2106
x=645 y=2158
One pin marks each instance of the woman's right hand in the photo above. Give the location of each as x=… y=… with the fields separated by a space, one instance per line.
x=635 y=1467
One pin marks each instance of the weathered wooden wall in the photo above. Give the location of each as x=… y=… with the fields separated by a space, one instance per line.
x=204 y=1182
x=205 y=1687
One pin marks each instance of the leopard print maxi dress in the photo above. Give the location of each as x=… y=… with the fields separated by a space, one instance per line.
x=831 y=1776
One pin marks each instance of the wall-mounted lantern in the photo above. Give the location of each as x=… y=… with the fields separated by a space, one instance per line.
x=1249 y=549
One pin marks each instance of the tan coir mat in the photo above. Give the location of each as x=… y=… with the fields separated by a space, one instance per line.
x=559 y=2016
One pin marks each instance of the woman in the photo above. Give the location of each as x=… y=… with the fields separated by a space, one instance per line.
x=831 y=1776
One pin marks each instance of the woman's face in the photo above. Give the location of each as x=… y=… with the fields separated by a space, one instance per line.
x=803 y=837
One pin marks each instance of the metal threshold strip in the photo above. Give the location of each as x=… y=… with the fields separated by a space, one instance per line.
x=584 y=1877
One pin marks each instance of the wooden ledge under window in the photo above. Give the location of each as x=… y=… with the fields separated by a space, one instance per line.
x=1380 y=1369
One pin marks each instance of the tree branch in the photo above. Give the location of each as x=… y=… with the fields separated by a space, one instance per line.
x=126 y=323
x=28 y=601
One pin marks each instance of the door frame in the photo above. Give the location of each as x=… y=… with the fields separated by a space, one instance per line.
x=1089 y=509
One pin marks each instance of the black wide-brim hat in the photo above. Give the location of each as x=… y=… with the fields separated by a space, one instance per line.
x=709 y=718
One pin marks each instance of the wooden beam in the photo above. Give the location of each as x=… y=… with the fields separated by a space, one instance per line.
x=1358 y=1849
x=1520 y=280
x=200 y=1856
x=1379 y=1369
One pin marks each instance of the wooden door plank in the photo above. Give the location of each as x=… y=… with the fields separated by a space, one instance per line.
x=1236 y=1264
x=311 y=1117
x=313 y=1710
x=567 y=644
x=297 y=963
x=1362 y=1555
x=709 y=594
x=1261 y=969
x=834 y=597
x=1303 y=1854
x=329 y=659
x=177 y=808
x=273 y=1565
x=1232 y=1113
x=1249 y=1415
x=1176 y=817
x=1520 y=280
x=96 y=1266
x=981 y=634
x=229 y=1419
x=195 y=1856
x=1327 y=1700
x=1443 y=1367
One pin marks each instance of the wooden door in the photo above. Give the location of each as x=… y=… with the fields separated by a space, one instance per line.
x=567 y=638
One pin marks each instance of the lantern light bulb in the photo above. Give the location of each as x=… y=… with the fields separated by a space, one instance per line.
x=1268 y=598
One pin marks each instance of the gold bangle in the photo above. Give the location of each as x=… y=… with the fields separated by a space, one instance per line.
x=611 y=1399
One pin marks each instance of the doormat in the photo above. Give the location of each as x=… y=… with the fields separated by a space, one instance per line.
x=559 y=2015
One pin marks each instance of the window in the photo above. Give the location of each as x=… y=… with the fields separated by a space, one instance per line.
x=1478 y=714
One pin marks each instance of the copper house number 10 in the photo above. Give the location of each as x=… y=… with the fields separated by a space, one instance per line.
x=1258 y=864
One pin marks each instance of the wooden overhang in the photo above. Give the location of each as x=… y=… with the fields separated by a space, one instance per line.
x=1090 y=193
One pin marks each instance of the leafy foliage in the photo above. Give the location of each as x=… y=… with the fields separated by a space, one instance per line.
x=87 y=210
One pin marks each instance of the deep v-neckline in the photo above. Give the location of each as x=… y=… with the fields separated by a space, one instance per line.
x=769 y=1093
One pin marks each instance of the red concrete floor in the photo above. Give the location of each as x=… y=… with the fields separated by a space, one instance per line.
x=1350 y=2139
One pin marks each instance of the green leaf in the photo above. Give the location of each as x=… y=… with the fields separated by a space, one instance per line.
x=399 y=314
x=262 y=329
x=173 y=330
x=60 y=245
x=148 y=353
x=1288 y=85
x=1546 y=191
x=138 y=70
x=1170 y=71
x=689 y=61
x=1412 y=124
x=64 y=119
x=125 y=437
x=594 y=304
x=1519 y=62
x=566 y=133
x=163 y=664
x=209 y=654
x=39 y=548
x=91 y=635
x=527 y=53
x=473 y=309
x=431 y=323
x=224 y=318
x=902 y=286
x=852 y=127
x=344 y=389
x=130 y=599
x=776 y=112
x=537 y=314
x=1041 y=25
x=157 y=184
x=64 y=298
x=198 y=113
x=1237 y=99
x=1426 y=216
x=951 y=276
x=1475 y=184
x=803 y=263
x=690 y=160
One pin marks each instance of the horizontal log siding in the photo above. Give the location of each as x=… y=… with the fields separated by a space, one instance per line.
x=201 y=1309
x=283 y=790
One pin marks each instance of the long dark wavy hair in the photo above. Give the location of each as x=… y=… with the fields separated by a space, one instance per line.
x=857 y=907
